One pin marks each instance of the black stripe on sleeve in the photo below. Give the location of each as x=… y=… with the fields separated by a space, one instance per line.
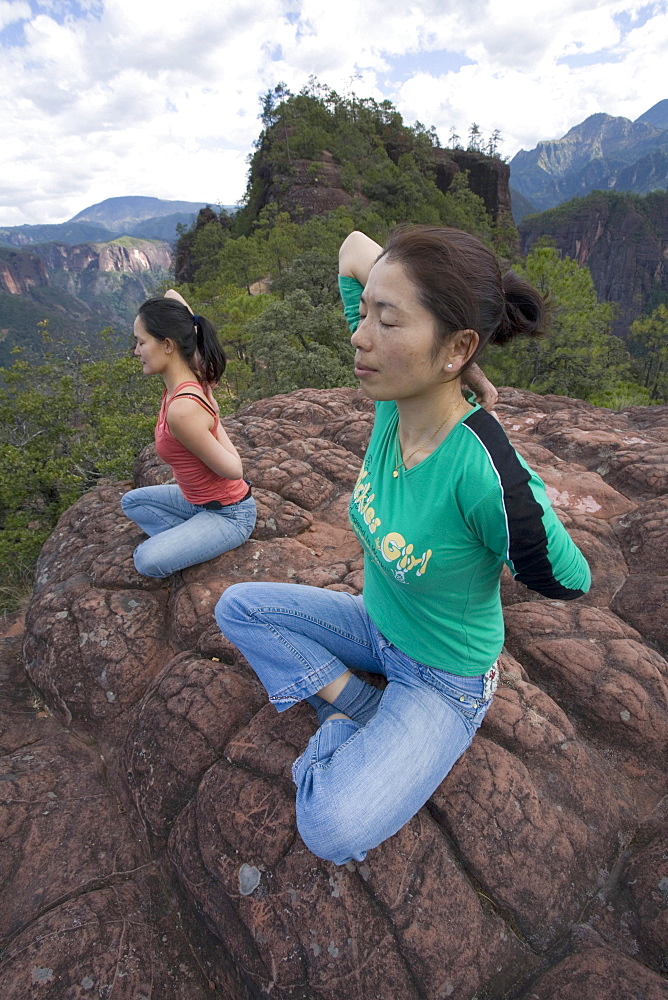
x=527 y=538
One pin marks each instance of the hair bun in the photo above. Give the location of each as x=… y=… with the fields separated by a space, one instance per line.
x=525 y=311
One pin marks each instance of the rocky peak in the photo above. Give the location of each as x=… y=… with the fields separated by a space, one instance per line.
x=656 y=115
x=592 y=154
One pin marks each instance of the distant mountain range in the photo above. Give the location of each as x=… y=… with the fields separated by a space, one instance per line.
x=134 y=215
x=601 y=153
x=85 y=274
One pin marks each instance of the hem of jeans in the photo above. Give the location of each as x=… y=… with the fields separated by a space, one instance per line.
x=315 y=762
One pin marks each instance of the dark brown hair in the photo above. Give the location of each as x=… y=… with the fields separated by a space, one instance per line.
x=459 y=281
x=169 y=318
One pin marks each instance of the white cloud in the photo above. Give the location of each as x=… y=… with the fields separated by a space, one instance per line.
x=158 y=97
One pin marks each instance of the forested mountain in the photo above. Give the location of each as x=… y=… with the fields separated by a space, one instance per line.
x=602 y=152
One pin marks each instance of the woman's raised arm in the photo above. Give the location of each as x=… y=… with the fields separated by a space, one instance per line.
x=357 y=256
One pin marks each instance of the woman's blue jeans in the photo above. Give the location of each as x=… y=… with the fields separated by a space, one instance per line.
x=182 y=533
x=356 y=784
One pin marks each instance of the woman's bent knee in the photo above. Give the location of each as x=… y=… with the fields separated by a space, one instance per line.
x=233 y=606
x=145 y=566
x=331 y=834
x=126 y=502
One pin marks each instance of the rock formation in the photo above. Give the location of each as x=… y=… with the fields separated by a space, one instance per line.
x=150 y=821
x=78 y=289
x=314 y=186
x=82 y=269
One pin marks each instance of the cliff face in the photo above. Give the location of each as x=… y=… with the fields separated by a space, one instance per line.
x=21 y=272
x=78 y=289
x=622 y=239
x=313 y=186
x=489 y=178
x=122 y=258
x=89 y=269
x=600 y=153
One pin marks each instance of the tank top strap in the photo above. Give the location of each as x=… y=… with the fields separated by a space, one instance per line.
x=198 y=399
x=206 y=403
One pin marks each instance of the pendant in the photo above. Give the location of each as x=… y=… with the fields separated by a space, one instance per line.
x=395 y=473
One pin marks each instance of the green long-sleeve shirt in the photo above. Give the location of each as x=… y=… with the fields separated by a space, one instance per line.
x=436 y=537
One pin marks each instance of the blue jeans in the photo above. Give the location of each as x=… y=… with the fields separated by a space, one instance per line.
x=357 y=784
x=182 y=533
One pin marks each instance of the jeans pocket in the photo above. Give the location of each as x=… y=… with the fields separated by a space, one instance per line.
x=446 y=684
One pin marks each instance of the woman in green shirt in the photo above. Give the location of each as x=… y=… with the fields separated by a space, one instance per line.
x=442 y=501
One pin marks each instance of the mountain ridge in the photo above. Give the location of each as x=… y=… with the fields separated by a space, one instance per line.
x=129 y=215
x=603 y=152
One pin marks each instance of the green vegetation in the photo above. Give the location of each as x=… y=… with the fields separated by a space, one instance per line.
x=266 y=278
x=578 y=356
x=64 y=425
x=649 y=343
x=126 y=241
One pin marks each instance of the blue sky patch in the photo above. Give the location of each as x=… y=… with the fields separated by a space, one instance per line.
x=577 y=59
x=627 y=22
x=13 y=36
x=433 y=63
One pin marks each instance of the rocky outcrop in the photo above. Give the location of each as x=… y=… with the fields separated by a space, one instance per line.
x=488 y=177
x=149 y=780
x=622 y=239
x=314 y=186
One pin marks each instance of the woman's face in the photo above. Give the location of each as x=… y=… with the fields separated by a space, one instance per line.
x=394 y=342
x=151 y=351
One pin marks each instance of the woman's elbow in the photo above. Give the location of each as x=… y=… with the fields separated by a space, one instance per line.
x=234 y=470
x=349 y=251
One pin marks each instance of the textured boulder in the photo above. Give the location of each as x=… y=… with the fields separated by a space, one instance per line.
x=537 y=868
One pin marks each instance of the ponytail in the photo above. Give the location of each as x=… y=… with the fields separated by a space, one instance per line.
x=194 y=336
x=212 y=359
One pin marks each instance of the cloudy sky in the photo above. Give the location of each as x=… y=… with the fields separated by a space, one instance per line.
x=102 y=98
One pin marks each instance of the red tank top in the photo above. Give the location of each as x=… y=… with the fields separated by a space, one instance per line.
x=198 y=483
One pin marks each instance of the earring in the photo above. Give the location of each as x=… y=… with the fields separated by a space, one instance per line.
x=449 y=366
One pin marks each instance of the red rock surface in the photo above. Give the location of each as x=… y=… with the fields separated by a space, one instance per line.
x=152 y=849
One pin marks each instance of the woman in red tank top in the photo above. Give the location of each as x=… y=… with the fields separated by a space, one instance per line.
x=209 y=509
